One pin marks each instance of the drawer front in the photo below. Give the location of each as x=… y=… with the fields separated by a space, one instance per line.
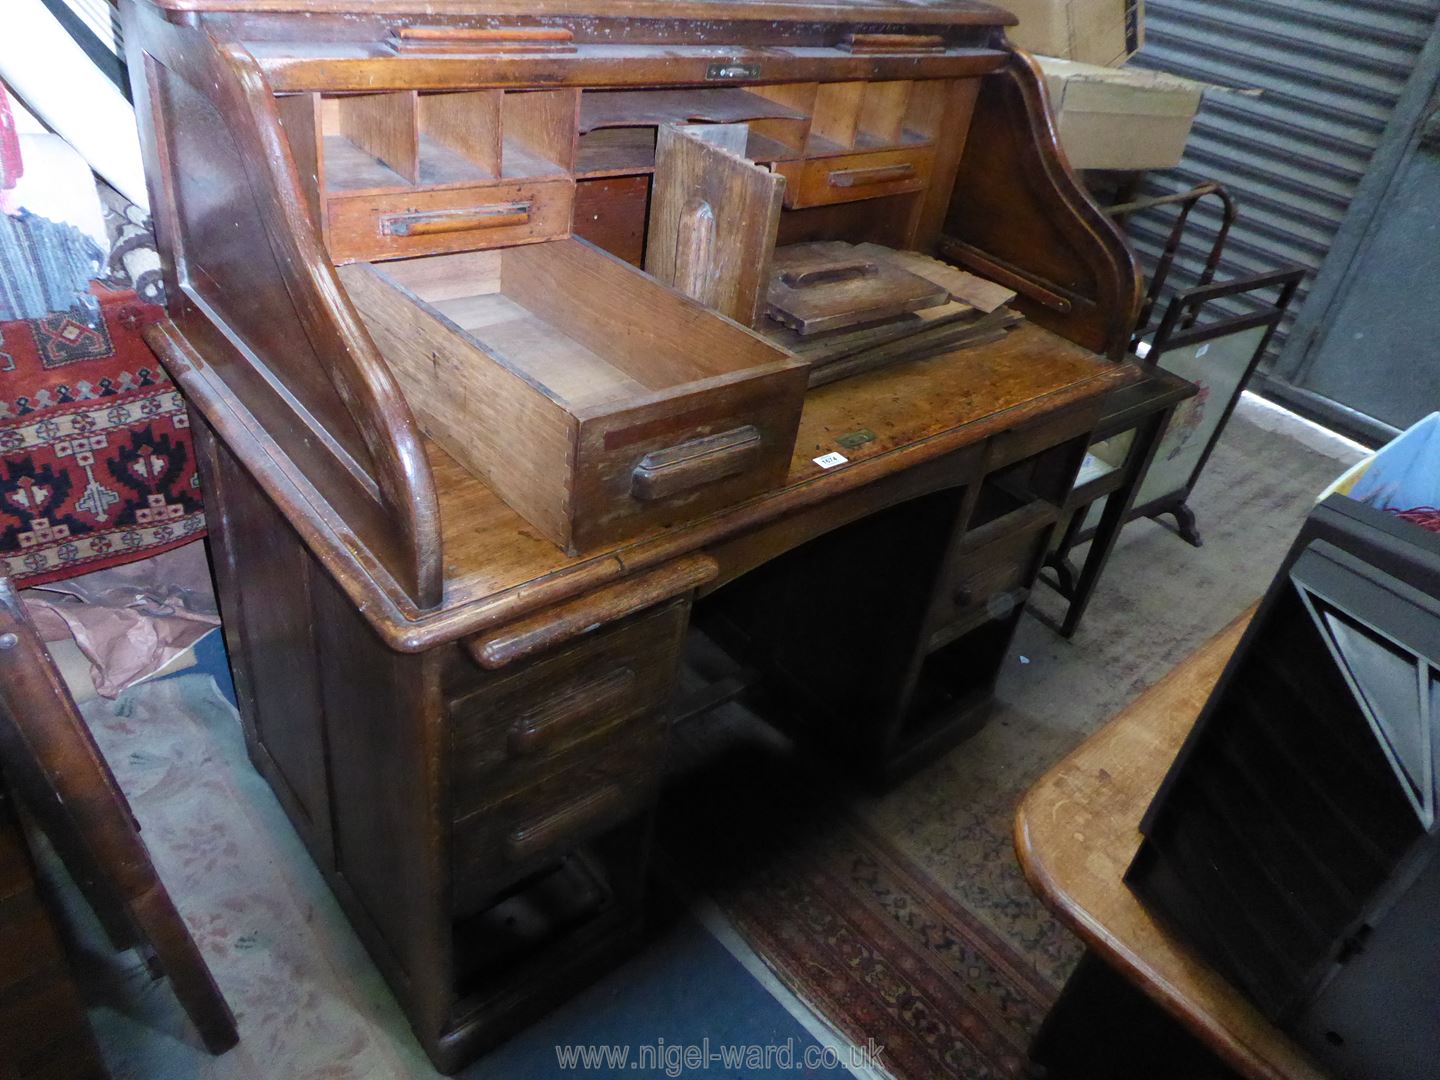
x=681 y=458
x=989 y=578
x=362 y=227
x=852 y=177
x=497 y=845
x=511 y=730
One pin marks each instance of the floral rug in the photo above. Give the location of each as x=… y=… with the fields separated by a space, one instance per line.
x=308 y=1001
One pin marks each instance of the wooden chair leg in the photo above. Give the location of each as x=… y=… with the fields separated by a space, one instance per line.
x=189 y=975
x=50 y=755
x=44 y=1031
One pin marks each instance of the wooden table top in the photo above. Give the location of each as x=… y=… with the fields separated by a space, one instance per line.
x=1076 y=832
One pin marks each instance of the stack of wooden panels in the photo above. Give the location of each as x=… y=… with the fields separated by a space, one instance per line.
x=968 y=311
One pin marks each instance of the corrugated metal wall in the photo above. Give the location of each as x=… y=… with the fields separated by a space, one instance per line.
x=1331 y=72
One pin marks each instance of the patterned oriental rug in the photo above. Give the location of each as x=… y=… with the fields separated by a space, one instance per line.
x=857 y=930
x=96 y=463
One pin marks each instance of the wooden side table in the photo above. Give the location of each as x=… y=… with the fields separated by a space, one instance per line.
x=1076 y=832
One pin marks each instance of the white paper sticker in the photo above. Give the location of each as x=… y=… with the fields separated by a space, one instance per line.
x=829 y=461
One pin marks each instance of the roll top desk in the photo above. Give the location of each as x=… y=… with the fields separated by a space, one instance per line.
x=463 y=299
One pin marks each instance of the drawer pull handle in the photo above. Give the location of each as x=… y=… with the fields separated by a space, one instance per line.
x=879 y=174
x=859 y=44
x=676 y=469
x=438 y=222
x=538 y=731
x=466 y=39
x=562 y=826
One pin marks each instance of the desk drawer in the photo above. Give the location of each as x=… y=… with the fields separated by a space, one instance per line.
x=990 y=572
x=498 y=844
x=389 y=225
x=592 y=399
x=512 y=730
x=852 y=177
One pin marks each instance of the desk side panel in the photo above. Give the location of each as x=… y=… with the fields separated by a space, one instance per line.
x=250 y=287
x=346 y=731
x=1021 y=217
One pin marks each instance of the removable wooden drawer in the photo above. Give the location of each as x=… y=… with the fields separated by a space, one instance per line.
x=595 y=401
x=852 y=177
x=396 y=224
x=513 y=729
x=990 y=572
x=497 y=845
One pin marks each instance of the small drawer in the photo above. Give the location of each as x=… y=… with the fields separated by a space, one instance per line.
x=497 y=844
x=513 y=729
x=991 y=571
x=390 y=225
x=852 y=177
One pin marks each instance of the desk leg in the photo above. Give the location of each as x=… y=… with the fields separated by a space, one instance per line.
x=1103 y=1028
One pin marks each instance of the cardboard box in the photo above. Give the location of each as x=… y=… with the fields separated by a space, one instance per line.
x=1106 y=32
x=1121 y=118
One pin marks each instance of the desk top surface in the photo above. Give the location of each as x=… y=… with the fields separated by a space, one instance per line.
x=498 y=569
x=916 y=411
x=1078 y=829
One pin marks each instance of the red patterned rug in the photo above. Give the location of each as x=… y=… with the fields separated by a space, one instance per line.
x=851 y=925
x=96 y=464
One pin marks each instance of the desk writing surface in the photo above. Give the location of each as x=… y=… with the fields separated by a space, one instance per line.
x=1078 y=829
x=917 y=410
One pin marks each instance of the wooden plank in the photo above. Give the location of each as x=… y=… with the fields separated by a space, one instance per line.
x=656 y=335
x=473 y=406
x=856 y=290
x=467 y=122
x=615 y=151
x=837 y=114
x=300 y=118
x=883 y=110
x=611 y=213
x=541 y=123
x=984 y=295
x=634 y=108
x=386 y=127
x=713 y=220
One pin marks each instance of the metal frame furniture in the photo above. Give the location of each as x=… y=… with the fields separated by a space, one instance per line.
x=1124 y=488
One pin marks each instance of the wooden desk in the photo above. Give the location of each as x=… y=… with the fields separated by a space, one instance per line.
x=1078 y=829
x=454 y=618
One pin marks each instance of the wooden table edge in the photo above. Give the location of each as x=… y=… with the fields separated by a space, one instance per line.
x=1233 y=1048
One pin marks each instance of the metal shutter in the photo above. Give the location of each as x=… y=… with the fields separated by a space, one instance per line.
x=1331 y=72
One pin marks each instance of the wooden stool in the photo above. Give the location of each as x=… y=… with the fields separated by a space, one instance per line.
x=54 y=767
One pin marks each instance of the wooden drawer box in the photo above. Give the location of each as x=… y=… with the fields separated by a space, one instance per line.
x=512 y=729
x=852 y=177
x=393 y=224
x=992 y=565
x=499 y=844
x=592 y=399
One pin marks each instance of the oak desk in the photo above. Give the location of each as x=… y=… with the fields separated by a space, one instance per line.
x=403 y=245
x=1078 y=829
